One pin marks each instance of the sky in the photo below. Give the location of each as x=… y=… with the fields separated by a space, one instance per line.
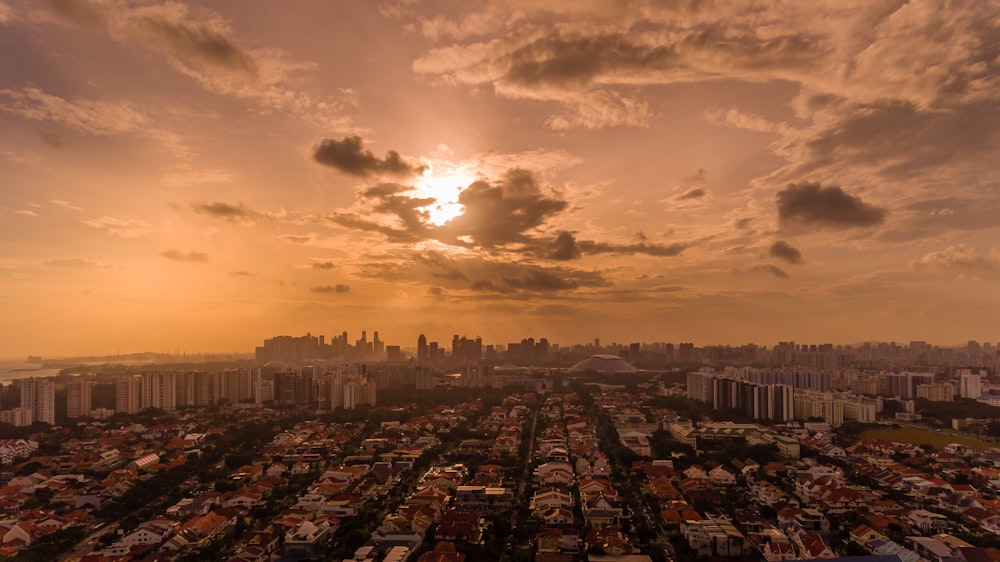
x=201 y=176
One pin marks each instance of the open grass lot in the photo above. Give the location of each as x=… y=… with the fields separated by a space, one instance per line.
x=924 y=436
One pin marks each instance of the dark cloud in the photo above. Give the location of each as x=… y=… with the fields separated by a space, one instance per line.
x=569 y=62
x=348 y=156
x=505 y=213
x=659 y=250
x=479 y=274
x=328 y=289
x=177 y=255
x=564 y=248
x=494 y=215
x=436 y=291
x=242 y=273
x=743 y=224
x=295 y=239
x=771 y=269
x=228 y=211
x=695 y=193
x=196 y=40
x=440 y=266
x=538 y=280
x=785 y=251
x=323 y=265
x=811 y=204
x=898 y=140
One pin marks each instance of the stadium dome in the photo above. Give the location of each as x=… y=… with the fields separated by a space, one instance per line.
x=269 y=369
x=603 y=364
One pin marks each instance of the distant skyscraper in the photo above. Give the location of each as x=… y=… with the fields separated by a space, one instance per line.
x=40 y=396
x=423 y=352
x=78 y=399
x=127 y=395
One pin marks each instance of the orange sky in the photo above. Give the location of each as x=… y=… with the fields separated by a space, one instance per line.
x=203 y=176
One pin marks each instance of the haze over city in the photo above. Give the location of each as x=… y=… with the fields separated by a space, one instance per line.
x=203 y=176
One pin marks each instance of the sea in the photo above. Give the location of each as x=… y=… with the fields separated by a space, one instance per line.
x=11 y=369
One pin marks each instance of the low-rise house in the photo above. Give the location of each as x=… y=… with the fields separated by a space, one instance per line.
x=306 y=539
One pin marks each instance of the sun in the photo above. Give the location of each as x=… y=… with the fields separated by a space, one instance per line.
x=444 y=188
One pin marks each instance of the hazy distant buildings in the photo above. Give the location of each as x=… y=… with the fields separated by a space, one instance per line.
x=757 y=401
x=78 y=399
x=18 y=417
x=39 y=397
x=699 y=386
x=298 y=350
x=970 y=385
x=937 y=392
x=127 y=395
x=158 y=390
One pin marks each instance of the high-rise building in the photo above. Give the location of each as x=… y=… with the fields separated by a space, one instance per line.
x=336 y=389
x=699 y=386
x=423 y=352
x=78 y=399
x=127 y=395
x=970 y=384
x=237 y=385
x=352 y=394
x=158 y=390
x=40 y=396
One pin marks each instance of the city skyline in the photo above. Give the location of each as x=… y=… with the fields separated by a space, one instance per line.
x=200 y=176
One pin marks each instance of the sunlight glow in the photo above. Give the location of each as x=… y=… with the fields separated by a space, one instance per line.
x=444 y=188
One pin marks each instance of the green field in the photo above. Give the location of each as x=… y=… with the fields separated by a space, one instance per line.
x=925 y=437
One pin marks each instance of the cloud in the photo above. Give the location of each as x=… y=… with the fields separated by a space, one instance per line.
x=295 y=238
x=694 y=193
x=505 y=212
x=784 y=251
x=657 y=250
x=348 y=156
x=328 y=289
x=94 y=117
x=538 y=280
x=496 y=214
x=564 y=248
x=317 y=263
x=242 y=273
x=65 y=204
x=200 y=45
x=812 y=204
x=959 y=258
x=227 y=211
x=770 y=269
x=123 y=227
x=75 y=263
x=746 y=121
x=177 y=255
x=478 y=274
x=25 y=212
x=593 y=70
x=199 y=42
